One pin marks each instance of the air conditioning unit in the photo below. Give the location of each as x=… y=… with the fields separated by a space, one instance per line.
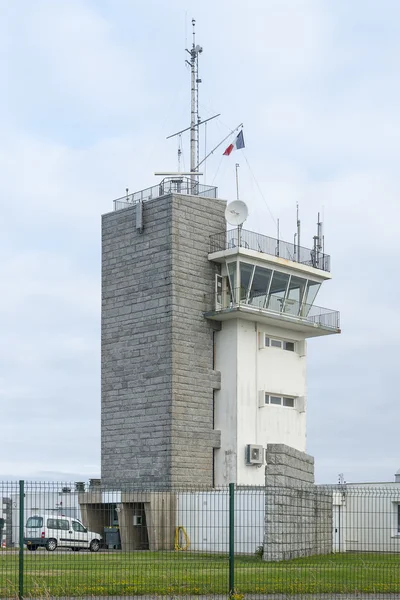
x=254 y=455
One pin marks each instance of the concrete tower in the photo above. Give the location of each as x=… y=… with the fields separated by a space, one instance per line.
x=203 y=340
x=158 y=378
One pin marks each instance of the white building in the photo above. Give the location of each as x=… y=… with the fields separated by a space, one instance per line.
x=264 y=299
x=366 y=517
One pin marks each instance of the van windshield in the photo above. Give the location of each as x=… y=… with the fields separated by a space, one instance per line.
x=34 y=522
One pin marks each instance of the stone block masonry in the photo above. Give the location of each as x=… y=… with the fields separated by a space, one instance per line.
x=298 y=514
x=157 y=348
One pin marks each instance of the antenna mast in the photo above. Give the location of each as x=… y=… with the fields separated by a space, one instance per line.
x=194 y=112
x=298 y=234
x=237 y=181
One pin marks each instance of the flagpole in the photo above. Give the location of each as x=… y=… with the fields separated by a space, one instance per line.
x=237 y=181
x=220 y=144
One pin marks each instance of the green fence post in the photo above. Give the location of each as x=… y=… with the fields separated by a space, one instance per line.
x=21 y=541
x=231 y=538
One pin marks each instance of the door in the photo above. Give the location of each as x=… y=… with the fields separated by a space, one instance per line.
x=79 y=537
x=337 y=529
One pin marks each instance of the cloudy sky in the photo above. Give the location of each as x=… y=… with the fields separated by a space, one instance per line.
x=91 y=89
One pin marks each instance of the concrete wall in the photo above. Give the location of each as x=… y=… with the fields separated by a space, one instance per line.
x=157 y=348
x=298 y=515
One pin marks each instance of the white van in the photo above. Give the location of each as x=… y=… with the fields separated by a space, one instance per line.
x=58 y=531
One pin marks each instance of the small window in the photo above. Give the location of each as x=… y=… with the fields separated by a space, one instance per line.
x=275 y=400
x=288 y=346
x=288 y=402
x=276 y=343
x=34 y=522
x=279 y=400
x=52 y=523
x=266 y=341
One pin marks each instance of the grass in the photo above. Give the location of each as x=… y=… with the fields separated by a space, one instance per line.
x=180 y=573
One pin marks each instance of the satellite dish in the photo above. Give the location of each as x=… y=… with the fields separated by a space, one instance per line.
x=236 y=212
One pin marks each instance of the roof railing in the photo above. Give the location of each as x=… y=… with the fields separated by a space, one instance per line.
x=241 y=238
x=169 y=185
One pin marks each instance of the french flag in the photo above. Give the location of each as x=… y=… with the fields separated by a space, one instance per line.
x=237 y=144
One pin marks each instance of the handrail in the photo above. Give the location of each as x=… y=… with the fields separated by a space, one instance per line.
x=249 y=240
x=274 y=303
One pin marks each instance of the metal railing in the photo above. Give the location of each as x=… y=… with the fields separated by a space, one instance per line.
x=235 y=238
x=236 y=541
x=175 y=185
x=275 y=304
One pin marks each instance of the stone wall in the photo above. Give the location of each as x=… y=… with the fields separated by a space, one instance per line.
x=298 y=514
x=157 y=348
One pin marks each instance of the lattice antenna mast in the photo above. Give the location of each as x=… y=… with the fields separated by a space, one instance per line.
x=194 y=111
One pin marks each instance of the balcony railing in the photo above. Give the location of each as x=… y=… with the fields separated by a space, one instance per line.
x=174 y=185
x=235 y=238
x=276 y=305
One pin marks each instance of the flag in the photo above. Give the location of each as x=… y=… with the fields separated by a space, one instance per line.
x=237 y=144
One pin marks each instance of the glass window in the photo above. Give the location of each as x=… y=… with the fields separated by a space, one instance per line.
x=34 y=522
x=276 y=343
x=62 y=524
x=297 y=286
x=266 y=341
x=76 y=526
x=311 y=293
x=279 y=400
x=275 y=400
x=232 y=279
x=52 y=523
x=278 y=291
x=288 y=402
x=289 y=346
x=259 y=287
x=246 y=272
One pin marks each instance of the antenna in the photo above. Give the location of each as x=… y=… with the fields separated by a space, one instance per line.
x=194 y=112
x=237 y=181
x=298 y=233
x=236 y=212
x=277 y=238
x=179 y=151
x=318 y=244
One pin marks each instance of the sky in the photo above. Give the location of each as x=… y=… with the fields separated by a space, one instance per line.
x=91 y=90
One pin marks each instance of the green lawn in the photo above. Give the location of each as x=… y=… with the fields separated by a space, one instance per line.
x=119 y=573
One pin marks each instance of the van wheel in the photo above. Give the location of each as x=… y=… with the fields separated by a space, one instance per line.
x=32 y=548
x=51 y=545
x=94 y=546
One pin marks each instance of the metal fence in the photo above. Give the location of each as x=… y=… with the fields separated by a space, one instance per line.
x=77 y=540
x=241 y=238
x=273 y=305
x=174 y=185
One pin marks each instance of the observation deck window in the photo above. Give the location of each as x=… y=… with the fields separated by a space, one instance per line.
x=270 y=289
